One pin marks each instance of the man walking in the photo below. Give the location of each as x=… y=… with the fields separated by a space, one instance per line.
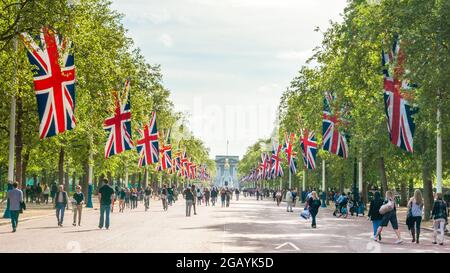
x=61 y=201
x=15 y=197
x=105 y=196
x=289 y=201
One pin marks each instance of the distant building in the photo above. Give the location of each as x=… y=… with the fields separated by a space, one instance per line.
x=226 y=171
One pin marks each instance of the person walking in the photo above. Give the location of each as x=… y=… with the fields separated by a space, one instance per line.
x=389 y=212
x=199 y=197
x=53 y=191
x=237 y=192
x=207 y=195
x=414 y=215
x=374 y=213
x=46 y=194
x=127 y=197
x=189 y=197
x=15 y=198
x=222 y=196
x=313 y=207
x=194 y=193
x=439 y=214
x=61 y=201
x=78 y=198
x=170 y=195
x=214 y=196
x=147 y=196
x=105 y=197
x=289 y=201
x=228 y=194
x=164 y=197
x=278 y=196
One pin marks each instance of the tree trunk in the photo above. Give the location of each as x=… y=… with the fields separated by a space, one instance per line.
x=427 y=189
x=85 y=182
x=74 y=179
x=341 y=183
x=145 y=178
x=19 y=140
x=25 y=160
x=383 y=178
x=403 y=193
x=61 y=167
x=110 y=178
x=66 y=178
x=133 y=180
x=411 y=187
x=35 y=179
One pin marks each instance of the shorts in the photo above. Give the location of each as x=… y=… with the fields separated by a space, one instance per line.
x=390 y=217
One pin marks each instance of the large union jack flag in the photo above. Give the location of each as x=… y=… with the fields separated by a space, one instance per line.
x=308 y=144
x=119 y=125
x=333 y=141
x=290 y=154
x=147 y=146
x=54 y=85
x=398 y=111
x=277 y=170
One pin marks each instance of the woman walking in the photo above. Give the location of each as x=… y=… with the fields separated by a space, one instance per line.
x=222 y=196
x=199 y=197
x=46 y=194
x=207 y=196
x=389 y=212
x=122 y=197
x=439 y=214
x=78 y=198
x=313 y=207
x=415 y=210
x=214 y=196
x=164 y=197
x=374 y=213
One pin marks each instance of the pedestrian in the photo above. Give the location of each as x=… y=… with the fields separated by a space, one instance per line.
x=207 y=195
x=289 y=201
x=164 y=197
x=16 y=204
x=227 y=197
x=127 y=197
x=278 y=197
x=46 y=194
x=214 y=196
x=199 y=197
x=194 y=193
x=133 y=198
x=374 y=213
x=189 y=200
x=53 y=191
x=27 y=193
x=237 y=192
x=105 y=197
x=147 y=196
x=313 y=207
x=122 y=197
x=389 y=212
x=38 y=193
x=294 y=197
x=439 y=214
x=61 y=201
x=78 y=198
x=170 y=195
x=414 y=215
x=222 y=196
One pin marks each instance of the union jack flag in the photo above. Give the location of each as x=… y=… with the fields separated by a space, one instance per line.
x=147 y=146
x=264 y=165
x=333 y=141
x=268 y=164
x=166 y=155
x=277 y=170
x=308 y=145
x=290 y=154
x=119 y=125
x=398 y=111
x=54 y=85
x=184 y=164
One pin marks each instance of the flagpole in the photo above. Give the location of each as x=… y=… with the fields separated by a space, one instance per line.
x=303 y=185
x=324 y=205
x=90 y=174
x=290 y=184
x=12 y=129
x=438 y=153
x=360 y=175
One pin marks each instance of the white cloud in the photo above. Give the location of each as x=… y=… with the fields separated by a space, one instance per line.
x=166 y=40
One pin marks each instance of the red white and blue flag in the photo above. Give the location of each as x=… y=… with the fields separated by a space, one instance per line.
x=184 y=164
x=277 y=170
x=147 y=145
x=333 y=141
x=290 y=154
x=166 y=154
x=119 y=125
x=398 y=111
x=308 y=144
x=54 y=85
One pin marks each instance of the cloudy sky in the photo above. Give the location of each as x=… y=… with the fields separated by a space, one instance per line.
x=227 y=62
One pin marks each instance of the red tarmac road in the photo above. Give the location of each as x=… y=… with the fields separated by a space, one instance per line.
x=246 y=226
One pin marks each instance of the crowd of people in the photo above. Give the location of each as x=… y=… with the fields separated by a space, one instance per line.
x=381 y=212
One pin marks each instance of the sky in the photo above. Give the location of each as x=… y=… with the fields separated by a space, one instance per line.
x=227 y=62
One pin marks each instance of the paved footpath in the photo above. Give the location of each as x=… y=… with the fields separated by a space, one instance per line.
x=247 y=226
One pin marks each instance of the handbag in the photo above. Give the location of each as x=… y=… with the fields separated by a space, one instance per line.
x=409 y=219
x=389 y=206
x=305 y=214
x=23 y=207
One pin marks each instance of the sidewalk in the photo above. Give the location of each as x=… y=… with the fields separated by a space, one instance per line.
x=35 y=211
